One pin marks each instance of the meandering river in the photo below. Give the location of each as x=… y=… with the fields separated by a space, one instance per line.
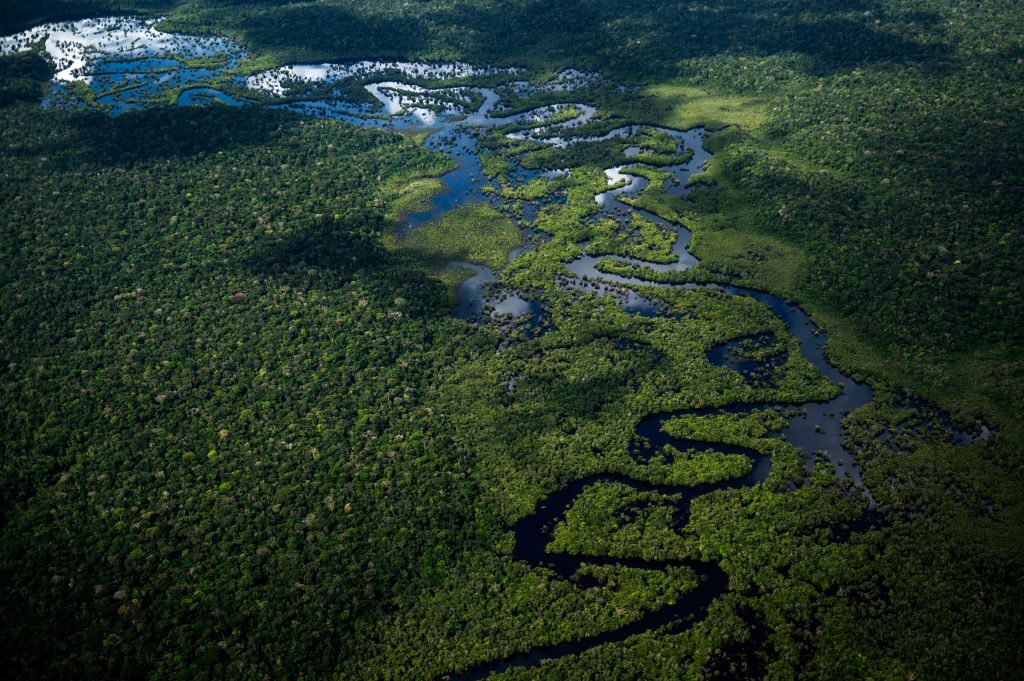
x=129 y=65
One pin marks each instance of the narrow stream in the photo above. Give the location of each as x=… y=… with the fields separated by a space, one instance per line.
x=817 y=431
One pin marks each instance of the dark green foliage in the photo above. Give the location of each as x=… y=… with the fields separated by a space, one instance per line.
x=199 y=378
x=23 y=78
x=242 y=437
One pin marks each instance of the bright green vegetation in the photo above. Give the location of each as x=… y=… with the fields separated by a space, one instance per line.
x=757 y=259
x=535 y=189
x=612 y=519
x=474 y=233
x=684 y=106
x=452 y=627
x=644 y=239
x=409 y=195
x=737 y=429
x=451 y=277
x=495 y=165
x=673 y=467
x=244 y=437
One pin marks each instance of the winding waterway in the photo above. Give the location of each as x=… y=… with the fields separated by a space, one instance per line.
x=131 y=65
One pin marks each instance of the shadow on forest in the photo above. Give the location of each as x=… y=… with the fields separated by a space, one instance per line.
x=641 y=38
x=335 y=33
x=554 y=391
x=161 y=133
x=18 y=16
x=647 y=37
x=336 y=254
x=632 y=40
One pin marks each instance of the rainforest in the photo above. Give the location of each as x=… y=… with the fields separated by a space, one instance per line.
x=466 y=339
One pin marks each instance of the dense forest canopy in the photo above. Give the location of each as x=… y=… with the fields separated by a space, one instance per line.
x=244 y=434
x=888 y=134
